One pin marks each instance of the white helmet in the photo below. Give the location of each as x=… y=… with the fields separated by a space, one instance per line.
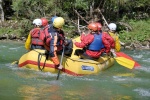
x=112 y=26
x=37 y=22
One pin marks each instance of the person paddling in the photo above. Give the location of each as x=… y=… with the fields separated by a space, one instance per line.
x=63 y=41
x=50 y=39
x=94 y=43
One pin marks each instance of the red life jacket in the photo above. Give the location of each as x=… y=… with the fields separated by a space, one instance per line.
x=35 y=37
x=46 y=37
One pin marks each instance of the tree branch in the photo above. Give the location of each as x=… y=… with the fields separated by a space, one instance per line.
x=80 y=16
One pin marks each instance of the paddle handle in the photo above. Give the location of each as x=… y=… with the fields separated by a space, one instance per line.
x=62 y=55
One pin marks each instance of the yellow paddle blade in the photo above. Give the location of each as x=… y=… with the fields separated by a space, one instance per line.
x=125 y=62
x=15 y=62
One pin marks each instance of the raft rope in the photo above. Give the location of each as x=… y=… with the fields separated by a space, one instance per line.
x=39 y=59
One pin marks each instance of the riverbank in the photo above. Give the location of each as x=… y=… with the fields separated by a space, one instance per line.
x=131 y=46
x=13 y=37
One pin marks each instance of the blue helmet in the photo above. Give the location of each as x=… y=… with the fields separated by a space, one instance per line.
x=52 y=19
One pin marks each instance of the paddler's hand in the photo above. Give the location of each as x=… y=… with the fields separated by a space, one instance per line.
x=109 y=54
x=60 y=67
x=113 y=52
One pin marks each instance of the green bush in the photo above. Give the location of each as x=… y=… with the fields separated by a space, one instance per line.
x=140 y=32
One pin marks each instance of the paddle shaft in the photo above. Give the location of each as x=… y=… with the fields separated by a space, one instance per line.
x=62 y=55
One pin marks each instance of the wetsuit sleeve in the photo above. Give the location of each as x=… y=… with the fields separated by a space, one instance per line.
x=117 y=43
x=85 y=41
x=108 y=42
x=82 y=37
x=28 y=42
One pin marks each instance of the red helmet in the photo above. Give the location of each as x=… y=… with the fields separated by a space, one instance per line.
x=92 y=26
x=99 y=26
x=44 y=21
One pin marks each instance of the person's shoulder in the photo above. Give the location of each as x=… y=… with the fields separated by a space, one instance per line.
x=36 y=29
x=111 y=33
x=106 y=34
x=89 y=36
x=32 y=30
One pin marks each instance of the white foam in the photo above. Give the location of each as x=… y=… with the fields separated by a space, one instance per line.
x=143 y=92
x=119 y=78
x=146 y=60
x=138 y=56
x=146 y=69
x=16 y=48
x=86 y=79
x=126 y=78
x=3 y=46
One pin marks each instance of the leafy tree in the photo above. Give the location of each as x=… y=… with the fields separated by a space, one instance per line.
x=113 y=10
x=31 y=9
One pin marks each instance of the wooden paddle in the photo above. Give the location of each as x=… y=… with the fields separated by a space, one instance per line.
x=62 y=55
x=121 y=54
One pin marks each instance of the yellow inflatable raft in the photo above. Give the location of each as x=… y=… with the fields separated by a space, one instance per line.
x=73 y=65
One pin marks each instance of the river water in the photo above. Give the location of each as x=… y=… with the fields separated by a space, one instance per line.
x=115 y=83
